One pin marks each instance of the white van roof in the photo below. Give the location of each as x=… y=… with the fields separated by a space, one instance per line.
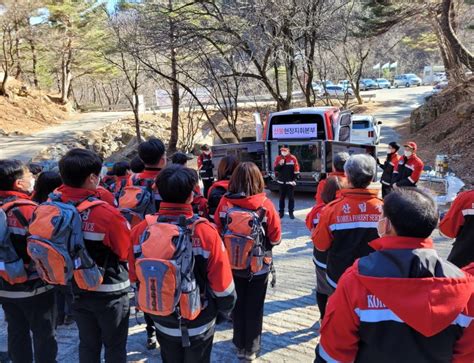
x=304 y=110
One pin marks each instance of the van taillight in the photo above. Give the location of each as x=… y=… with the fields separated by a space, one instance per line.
x=371 y=134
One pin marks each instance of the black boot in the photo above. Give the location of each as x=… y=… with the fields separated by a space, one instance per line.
x=282 y=214
x=292 y=216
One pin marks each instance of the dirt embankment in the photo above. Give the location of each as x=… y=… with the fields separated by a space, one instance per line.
x=444 y=125
x=26 y=111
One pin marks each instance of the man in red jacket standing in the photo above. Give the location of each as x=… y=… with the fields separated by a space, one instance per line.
x=409 y=168
x=287 y=171
x=402 y=303
x=459 y=223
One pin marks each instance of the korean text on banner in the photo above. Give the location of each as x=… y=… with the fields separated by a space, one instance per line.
x=305 y=131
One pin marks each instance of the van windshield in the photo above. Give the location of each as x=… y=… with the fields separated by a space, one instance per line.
x=297 y=127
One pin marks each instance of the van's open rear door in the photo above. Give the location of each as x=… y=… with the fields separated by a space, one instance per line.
x=245 y=151
x=333 y=147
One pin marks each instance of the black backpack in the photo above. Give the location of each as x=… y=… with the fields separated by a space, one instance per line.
x=213 y=200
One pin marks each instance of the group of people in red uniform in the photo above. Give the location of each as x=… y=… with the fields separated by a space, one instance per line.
x=382 y=291
x=102 y=314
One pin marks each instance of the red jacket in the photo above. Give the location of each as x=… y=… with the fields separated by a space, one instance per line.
x=205 y=167
x=345 y=228
x=18 y=233
x=289 y=170
x=107 y=239
x=459 y=223
x=400 y=304
x=408 y=171
x=322 y=183
x=199 y=203
x=106 y=196
x=312 y=219
x=212 y=270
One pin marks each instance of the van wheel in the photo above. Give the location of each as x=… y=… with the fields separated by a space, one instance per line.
x=407 y=85
x=396 y=85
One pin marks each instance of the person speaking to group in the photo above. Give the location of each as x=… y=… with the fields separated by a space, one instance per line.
x=287 y=171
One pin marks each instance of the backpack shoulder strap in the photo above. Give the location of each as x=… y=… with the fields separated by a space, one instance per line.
x=151 y=219
x=16 y=212
x=88 y=204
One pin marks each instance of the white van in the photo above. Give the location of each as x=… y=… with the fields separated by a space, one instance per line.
x=365 y=130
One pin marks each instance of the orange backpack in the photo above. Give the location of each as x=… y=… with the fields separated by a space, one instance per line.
x=56 y=244
x=165 y=269
x=244 y=238
x=136 y=201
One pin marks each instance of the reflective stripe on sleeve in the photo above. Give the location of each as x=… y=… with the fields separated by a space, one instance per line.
x=468 y=212
x=326 y=356
x=229 y=291
x=94 y=236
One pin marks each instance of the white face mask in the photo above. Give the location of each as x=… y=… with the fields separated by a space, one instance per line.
x=31 y=188
x=284 y=153
x=408 y=153
x=379 y=232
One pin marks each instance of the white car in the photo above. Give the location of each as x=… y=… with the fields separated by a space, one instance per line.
x=439 y=87
x=406 y=80
x=365 y=130
x=383 y=83
x=338 y=91
x=344 y=83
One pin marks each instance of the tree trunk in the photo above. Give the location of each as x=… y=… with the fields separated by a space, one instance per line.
x=459 y=52
x=66 y=75
x=34 y=58
x=173 y=142
x=3 y=85
x=136 y=116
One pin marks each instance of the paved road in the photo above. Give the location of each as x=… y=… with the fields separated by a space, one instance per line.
x=400 y=103
x=25 y=147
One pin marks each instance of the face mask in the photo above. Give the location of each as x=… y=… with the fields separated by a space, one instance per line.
x=284 y=153
x=379 y=231
x=31 y=188
x=408 y=153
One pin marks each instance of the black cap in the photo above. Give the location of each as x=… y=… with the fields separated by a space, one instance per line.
x=205 y=147
x=394 y=145
x=180 y=158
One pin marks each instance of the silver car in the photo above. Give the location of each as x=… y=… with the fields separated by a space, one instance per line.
x=406 y=80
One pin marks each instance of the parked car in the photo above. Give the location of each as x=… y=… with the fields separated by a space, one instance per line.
x=383 y=83
x=338 y=91
x=366 y=84
x=439 y=87
x=406 y=80
x=344 y=83
x=318 y=89
x=365 y=130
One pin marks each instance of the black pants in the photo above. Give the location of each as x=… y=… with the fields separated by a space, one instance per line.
x=248 y=312
x=322 y=300
x=38 y=315
x=64 y=299
x=102 y=320
x=386 y=189
x=172 y=350
x=287 y=190
x=207 y=183
x=150 y=324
